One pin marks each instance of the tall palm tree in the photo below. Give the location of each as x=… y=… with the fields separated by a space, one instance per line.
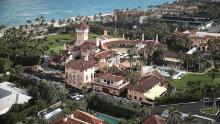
x=18 y=71
x=175 y=117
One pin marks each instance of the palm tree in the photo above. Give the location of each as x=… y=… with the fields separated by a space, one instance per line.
x=84 y=90
x=18 y=71
x=175 y=116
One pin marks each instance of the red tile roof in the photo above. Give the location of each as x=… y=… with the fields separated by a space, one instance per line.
x=155 y=43
x=80 y=117
x=80 y=64
x=107 y=76
x=105 y=54
x=87 y=117
x=154 y=119
x=88 y=45
x=125 y=42
x=147 y=82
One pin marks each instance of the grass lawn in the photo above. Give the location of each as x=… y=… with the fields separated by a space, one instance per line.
x=210 y=111
x=203 y=78
x=56 y=42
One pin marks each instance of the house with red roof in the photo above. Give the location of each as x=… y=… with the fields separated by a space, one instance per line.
x=79 y=73
x=109 y=83
x=79 y=117
x=154 y=119
x=150 y=86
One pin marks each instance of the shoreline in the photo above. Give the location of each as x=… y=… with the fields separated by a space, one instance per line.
x=48 y=21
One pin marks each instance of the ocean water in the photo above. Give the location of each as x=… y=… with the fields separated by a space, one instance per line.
x=16 y=12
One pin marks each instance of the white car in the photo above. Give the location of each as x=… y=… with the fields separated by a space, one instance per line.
x=76 y=96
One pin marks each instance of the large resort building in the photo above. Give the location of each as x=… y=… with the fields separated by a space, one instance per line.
x=85 y=61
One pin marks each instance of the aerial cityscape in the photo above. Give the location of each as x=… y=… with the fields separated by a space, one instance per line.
x=110 y=62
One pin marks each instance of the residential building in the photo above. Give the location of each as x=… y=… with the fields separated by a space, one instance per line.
x=79 y=117
x=81 y=46
x=156 y=44
x=154 y=119
x=80 y=73
x=105 y=58
x=149 y=87
x=109 y=83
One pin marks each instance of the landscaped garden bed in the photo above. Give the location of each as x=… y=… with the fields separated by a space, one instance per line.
x=210 y=111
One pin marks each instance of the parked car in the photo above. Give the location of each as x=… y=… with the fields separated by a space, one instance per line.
x=76 y=96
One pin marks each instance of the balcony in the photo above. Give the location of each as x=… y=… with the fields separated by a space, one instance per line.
x=97 y=82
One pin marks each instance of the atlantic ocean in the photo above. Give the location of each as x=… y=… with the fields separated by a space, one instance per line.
x=17 y=12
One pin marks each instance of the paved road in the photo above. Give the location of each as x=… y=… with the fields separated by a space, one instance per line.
x=44 y=76
x=192 y=108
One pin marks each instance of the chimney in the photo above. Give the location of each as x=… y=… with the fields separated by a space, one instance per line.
x=128 y=38
x=65 y=119
x=105 y=32
x=157 y=39
x=17 y=98
x=142 y=36
x=86 y=58
x=123 y=36
x=71 y=116
x=97 y=42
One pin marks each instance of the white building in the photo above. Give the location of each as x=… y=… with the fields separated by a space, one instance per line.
x=10 y=95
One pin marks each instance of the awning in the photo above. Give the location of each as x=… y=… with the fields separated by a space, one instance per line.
x=154 y=92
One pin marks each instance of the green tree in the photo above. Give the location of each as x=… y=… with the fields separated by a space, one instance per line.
x=157 y=57
x=191 y=120
x=175 y=116
x=5 y=65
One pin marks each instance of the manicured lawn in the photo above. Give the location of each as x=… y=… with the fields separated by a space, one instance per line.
x=210 y=111
x=56 y=42
x=203 y=78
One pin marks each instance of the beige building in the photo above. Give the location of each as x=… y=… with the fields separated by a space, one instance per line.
x=110 y=84
x=81 y=47
x=80 y=73
x=148 y=88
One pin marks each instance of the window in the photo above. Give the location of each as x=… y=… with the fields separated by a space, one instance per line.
x=108 y=82
x=91 y=76
x=135 y=97
x=140 y=99
x=112 y=82
x=129 y=96
x=86 y=77
x=104 y=80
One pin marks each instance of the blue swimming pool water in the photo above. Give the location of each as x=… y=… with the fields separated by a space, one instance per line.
x=107 y=118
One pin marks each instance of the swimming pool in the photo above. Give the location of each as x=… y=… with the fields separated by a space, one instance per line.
x=107 y=118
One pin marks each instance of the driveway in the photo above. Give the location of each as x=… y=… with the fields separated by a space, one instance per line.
x=192 y=108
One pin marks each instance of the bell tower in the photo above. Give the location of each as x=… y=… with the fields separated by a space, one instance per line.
x=82 y=31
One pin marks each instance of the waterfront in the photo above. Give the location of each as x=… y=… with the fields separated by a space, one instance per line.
x=16 y=12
